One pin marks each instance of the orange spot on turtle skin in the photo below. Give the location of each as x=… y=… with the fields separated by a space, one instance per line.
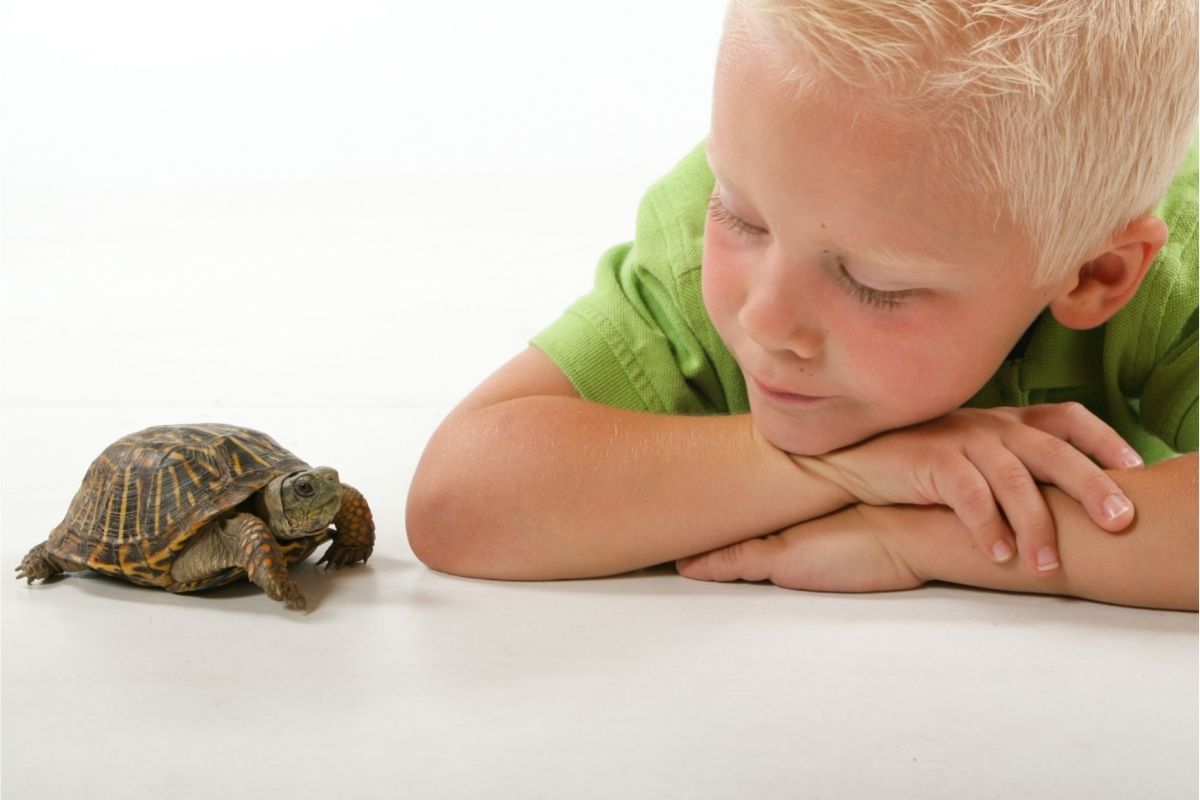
x=267 y=562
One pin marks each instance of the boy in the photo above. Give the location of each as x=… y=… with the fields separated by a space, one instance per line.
x=875 y=330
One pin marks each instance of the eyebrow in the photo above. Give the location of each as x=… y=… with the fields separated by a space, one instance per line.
x=714 y=168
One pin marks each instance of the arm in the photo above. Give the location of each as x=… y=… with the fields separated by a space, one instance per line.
x=525 y=480
x=867 y=548
x=1152 y=564
x=986 y=464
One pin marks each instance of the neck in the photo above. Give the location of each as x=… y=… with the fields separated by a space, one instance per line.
x=269 y=506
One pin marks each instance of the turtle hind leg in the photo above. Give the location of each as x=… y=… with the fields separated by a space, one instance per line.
x=39 y=564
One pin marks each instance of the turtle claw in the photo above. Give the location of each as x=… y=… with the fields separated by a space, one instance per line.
x=338 y=556
x=36 y=566
x=287 y=592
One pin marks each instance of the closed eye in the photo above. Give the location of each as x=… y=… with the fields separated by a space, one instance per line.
x=717 y=211
x=871 y=296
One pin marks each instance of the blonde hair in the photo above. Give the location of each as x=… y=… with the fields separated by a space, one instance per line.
x=1076 y=112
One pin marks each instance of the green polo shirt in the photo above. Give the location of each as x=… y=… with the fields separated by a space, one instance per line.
x=642 y=339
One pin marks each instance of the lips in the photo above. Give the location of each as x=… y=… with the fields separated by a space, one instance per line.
x=784 y=396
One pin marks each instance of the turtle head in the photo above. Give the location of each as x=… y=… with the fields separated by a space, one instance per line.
x=302 y=503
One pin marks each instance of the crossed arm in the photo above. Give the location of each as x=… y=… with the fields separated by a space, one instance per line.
x=526 y=481
x=886 y=548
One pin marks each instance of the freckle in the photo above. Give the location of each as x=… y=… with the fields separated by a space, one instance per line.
x=822 y=226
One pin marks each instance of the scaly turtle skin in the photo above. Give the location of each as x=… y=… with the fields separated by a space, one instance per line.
x=189 y=507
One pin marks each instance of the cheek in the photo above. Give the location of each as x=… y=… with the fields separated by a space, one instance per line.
x=720 y=281
x=923 y=367
x=882 y=353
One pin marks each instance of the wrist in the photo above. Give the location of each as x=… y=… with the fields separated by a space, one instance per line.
x=812 y=489
x=821 y=470
x=898 y=529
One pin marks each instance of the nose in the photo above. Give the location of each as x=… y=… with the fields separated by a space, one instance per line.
x=781 y=313
x=327 y=475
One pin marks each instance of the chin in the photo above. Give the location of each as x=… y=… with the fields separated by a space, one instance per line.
x=804 y=443
x=814 y=435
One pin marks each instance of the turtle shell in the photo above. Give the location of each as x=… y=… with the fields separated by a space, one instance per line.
x=150 y=492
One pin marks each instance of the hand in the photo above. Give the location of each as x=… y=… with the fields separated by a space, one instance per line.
x=981 y=462
x=843 y=552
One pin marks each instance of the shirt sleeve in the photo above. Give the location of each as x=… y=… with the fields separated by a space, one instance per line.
x=641 y=338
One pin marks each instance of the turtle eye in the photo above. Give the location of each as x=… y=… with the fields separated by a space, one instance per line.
x=304 y=488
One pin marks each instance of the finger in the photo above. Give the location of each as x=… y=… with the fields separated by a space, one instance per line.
x=748 y=561
x=1073 y=423
x=964 y=489
x=1050 y=459
x=1023 y=505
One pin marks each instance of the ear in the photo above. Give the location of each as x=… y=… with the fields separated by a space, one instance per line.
x=1102 y=286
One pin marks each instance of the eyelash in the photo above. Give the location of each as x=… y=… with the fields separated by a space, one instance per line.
x=864 y=294
x=869 y=296
x=723 y=215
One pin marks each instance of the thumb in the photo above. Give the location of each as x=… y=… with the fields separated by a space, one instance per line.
x=747 y=561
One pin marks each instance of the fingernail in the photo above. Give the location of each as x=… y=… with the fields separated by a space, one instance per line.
x=1047 y=559
x=1001 y=552
x=1116 y=506
x=1130 y=458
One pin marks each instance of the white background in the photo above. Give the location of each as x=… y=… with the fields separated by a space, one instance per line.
x=225 y=202
x=329 y=220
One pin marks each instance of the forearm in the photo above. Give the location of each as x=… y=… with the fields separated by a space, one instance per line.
x=555 y=487
x=1152 y=563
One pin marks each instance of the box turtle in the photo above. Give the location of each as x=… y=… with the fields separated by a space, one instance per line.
x=188 y=507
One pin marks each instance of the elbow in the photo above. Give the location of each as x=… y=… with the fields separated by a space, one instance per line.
x=434 y=526
x=452 y=522
x=477 y=504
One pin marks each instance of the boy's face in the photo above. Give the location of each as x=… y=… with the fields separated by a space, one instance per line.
x=857 y=291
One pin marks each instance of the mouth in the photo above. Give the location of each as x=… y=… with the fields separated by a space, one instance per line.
x=788 y=398
x=325 y=512
x=330 y=509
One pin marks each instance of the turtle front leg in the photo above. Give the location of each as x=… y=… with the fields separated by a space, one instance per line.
x=243 y=540
x=354 y=535
x=265 y=565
